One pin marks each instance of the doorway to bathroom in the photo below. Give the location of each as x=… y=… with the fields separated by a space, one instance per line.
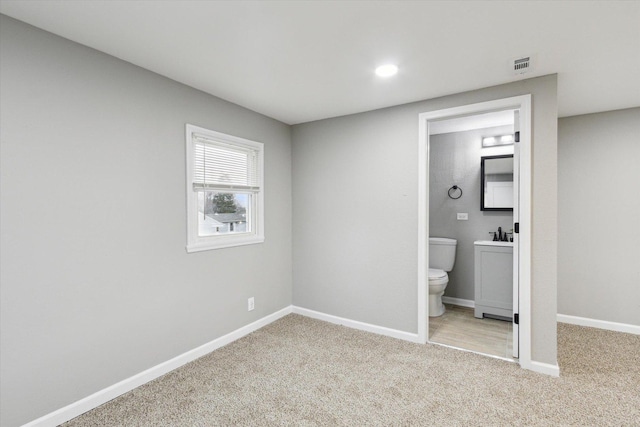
x=452 y=204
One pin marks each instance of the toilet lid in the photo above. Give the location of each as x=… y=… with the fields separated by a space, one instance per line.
x=436 y=273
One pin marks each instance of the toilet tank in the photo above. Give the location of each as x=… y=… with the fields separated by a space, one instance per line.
x=442 y=253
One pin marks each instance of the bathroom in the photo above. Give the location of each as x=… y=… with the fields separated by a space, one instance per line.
x=455 y=195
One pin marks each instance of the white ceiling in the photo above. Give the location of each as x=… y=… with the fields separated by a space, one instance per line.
x=308 y=60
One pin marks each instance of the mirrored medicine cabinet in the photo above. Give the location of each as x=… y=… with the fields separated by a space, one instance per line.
x=496 y=192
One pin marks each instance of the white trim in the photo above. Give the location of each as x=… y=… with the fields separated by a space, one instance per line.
x=367 y=327
x=515 y=285
x=525 y=237
x=522 y=103
x=96 y=399
x=544 y=368
x=459 y=301
x=226 y=241
x=423 y=227
x=100 y=397
x=600 y=324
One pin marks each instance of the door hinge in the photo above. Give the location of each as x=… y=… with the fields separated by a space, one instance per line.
x=516 y=137
x=516 y=227
x=516 y=318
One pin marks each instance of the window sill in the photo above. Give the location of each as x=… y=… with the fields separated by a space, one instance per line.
x=224 y=242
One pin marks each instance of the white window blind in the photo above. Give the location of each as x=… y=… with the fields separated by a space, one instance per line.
x=221 y=166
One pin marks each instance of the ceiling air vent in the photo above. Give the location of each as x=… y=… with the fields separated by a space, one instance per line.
x=522 y=65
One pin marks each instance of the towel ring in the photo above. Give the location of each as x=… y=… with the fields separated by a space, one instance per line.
x=454 y=189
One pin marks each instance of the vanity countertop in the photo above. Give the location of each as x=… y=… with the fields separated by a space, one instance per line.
x=492 y=243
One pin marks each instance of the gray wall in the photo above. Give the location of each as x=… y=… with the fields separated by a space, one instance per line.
x=94 y=271
x=355 y=188
x=454 y=158
x=96 y=283
x=599 y=205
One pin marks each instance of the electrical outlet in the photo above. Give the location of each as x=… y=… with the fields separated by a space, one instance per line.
x=463 y=216
x=250 y=304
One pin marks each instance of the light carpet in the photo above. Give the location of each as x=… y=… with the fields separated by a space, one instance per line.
x=304 y=372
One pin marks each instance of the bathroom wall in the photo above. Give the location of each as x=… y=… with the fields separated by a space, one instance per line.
x=96 y=283
x=455 y=159
x=355 y=208
x=599 y=211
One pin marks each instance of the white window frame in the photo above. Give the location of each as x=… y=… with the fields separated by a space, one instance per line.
x=197 y=243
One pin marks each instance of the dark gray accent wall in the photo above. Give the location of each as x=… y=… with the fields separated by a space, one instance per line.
x=599 y=212
x=454 y=159
x=96 y=283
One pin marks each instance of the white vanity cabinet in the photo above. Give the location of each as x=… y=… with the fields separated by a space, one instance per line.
x=493 y=278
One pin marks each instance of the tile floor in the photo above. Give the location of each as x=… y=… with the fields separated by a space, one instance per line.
x=458 y=327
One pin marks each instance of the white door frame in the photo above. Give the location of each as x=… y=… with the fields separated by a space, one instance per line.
x=516 y=236
x=522 y=103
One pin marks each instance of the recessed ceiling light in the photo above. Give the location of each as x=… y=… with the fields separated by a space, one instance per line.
x=386 y=70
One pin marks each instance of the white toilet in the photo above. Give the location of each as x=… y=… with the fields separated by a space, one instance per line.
x=442 y=256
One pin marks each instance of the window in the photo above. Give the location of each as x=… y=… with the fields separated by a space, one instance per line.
x=225 y=192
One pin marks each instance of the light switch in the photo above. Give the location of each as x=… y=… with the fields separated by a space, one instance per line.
x=463 y=216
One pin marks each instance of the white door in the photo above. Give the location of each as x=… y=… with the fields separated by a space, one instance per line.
x=516 y=236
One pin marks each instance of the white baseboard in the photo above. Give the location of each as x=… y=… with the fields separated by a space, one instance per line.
x=600 y=324
x=544 y=368
x=96 y=399
x=381 y=330
x=459 y=301
x=93 y=401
